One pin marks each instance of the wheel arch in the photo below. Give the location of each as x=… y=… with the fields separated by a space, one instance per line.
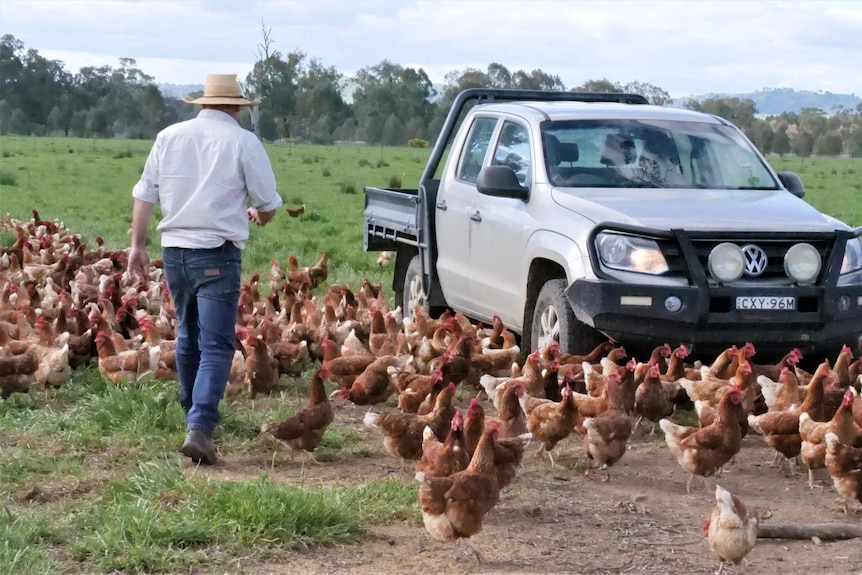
x=541 y=270
x=552 y=256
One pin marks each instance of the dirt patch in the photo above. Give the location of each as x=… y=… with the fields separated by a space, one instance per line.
x=553 y=520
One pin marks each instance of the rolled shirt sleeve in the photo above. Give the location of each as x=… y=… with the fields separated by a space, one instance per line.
x=260 y=180
x=147 y=188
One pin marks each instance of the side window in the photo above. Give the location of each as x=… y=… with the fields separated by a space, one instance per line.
x=513 y=150
x=474 y=150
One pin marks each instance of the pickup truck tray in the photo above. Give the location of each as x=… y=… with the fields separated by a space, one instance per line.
x=390 y=218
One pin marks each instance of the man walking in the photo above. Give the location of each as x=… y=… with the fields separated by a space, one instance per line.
x=210 y=177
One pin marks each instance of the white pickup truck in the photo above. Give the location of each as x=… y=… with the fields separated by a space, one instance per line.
x=578 y=217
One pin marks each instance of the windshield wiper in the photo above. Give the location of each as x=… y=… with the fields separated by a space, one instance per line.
x=633 y=184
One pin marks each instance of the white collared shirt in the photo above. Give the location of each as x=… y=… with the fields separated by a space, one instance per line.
x=203 y=173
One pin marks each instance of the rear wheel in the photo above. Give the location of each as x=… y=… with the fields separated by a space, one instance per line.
x=412 y=295
x=553 y=320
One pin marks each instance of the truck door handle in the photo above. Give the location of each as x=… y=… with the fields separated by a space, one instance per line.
x=476 y=217
x=441 y=206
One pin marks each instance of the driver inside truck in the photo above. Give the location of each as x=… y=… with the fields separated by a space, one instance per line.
x=659 y=161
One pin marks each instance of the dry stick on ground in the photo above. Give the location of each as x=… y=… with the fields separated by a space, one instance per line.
x=823 y=531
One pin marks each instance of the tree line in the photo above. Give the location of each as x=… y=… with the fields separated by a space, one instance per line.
x=304 y=101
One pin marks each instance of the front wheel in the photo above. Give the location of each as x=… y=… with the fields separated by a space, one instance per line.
x=412 y=294
x=553 y=320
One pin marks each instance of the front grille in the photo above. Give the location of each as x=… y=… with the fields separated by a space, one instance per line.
x=775 y=248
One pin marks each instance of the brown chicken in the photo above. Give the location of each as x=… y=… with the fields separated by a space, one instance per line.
x=781 y=427
x=261 y=367
x=373 y=385
x=594 y=356
x=508 y=451
x=719 y=367
x=675 y=365
x=813 y=434
x=709 y=392
x=495 y=386
x=496 y=361
x=607 y=434
x=595 y=374
x=474 y=426
x=343 y=370
x=835 y=386
x=703 y=451
x=402 y=432
x=124 y=366
x=304 y=430
x=315 y=274
x=167 y=350
x=773 y=371
x=731 y=529
x=531 y=376
x=418 y=387
x=780 y=395
x=511 y=418
x=549 y=421
x=844 y=463
x=659 y=356
x=743 y=354
x=443 y=458
x=654 y=398
x=383 y=335
x=17 y=372
x=492 y=338
x=54 y=369
x=295 y=212
x=454 y=507
x=277 y=277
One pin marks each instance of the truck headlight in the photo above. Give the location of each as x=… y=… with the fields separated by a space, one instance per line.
x=726 y=262
x=630 y=253
x=802 y=263
x=852 y=256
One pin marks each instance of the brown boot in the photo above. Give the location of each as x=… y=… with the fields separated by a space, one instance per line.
x=198 y=446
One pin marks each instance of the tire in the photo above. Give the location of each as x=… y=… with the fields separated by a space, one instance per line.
x=554 y=320
x=411 y=293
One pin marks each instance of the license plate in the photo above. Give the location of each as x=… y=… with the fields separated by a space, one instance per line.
x=785 y=303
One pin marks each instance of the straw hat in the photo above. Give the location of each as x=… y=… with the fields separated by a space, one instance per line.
x=222 y=89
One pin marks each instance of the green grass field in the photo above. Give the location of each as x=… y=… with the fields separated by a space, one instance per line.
x=90 y=480
x=87 y=184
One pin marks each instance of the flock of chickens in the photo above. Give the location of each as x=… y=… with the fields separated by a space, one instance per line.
x=63 y=303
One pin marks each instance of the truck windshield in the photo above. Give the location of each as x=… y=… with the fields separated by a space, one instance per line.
x=645 y=153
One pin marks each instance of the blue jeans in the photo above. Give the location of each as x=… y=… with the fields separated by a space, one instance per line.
x=204 y=286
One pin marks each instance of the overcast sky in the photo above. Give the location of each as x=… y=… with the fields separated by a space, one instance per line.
x=684 y=47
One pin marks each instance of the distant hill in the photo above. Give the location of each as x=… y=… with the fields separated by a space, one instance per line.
x=179 y=90
x=774 y=101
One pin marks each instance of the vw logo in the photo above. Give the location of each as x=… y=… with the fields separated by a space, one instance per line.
x=755 y=260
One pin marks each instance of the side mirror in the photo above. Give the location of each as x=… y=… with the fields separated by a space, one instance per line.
x=792 y=182
x=501 y=181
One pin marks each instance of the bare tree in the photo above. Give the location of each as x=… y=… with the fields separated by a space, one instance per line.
x=260 y=74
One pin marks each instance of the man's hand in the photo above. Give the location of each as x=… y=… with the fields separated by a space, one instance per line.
x=260 y=218
x=253 y=216
x=139 y=264
x=139 y=260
